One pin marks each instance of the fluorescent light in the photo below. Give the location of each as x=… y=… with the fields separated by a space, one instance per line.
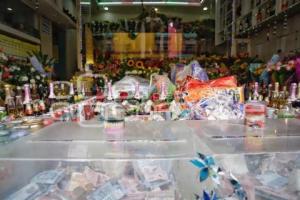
x=85 y=3
x=150 y=3
x=156 y=9
x=205 y=8
x=9 y=9
x=105 y=8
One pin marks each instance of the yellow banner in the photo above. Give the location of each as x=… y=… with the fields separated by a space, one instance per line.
x=141 y=46
x=146 y=45
x=89 y=45
x=15 y=47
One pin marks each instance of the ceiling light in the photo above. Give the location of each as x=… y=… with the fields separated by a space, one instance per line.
x=9 y=9
x=105 y=8
x=148 y=2
x=205 y=8
x=85 y=3
x=156 y=9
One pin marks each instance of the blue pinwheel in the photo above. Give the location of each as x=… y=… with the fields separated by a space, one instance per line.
x=207 y=167
x=207 y=196
x=238 y=190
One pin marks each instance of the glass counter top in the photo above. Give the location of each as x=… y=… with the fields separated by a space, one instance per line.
x=232 y=137
x=61 y=141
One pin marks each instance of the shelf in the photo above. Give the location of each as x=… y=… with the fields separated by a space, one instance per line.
x=19 y=34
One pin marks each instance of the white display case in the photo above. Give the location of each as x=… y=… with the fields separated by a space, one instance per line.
x=151 y=160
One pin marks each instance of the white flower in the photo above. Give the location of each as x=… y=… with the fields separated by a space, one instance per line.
x=24 y=78
x=32 y=69
x=37 y=77
x=12 y=68
x=32 y=81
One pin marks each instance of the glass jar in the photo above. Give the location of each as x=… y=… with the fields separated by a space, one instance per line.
x=114 y=118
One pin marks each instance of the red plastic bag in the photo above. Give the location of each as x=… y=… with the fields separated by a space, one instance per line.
x=229 y=81
x=197 y=90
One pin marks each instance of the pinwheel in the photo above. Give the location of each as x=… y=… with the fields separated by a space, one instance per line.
x=207 y=196
x=238 y=190
x=207 y=167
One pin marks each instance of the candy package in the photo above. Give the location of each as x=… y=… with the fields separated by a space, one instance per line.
x=131 y=85
x=220 y=106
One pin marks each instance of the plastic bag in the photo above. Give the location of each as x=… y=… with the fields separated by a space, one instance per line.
x=198 y=72
x=195 y=90
x=160 y=83
x=183 y=74
x=129 y=84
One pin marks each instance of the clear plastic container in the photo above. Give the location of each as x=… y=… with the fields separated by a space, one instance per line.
x=114 y=118
x=255 y=114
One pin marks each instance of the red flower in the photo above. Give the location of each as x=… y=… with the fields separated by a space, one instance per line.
x=123 y=95
x=154 y=96
x=5 y=73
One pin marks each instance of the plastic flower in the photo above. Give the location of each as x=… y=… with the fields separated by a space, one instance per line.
x=130 y=63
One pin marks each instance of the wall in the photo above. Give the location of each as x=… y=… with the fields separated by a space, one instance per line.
x=286 y=40
x=46 y=36
x=71 y=53
x=69 y=4
x=187 y=13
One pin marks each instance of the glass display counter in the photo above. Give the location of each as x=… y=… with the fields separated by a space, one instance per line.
x=266 y=162
x=151 y=160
